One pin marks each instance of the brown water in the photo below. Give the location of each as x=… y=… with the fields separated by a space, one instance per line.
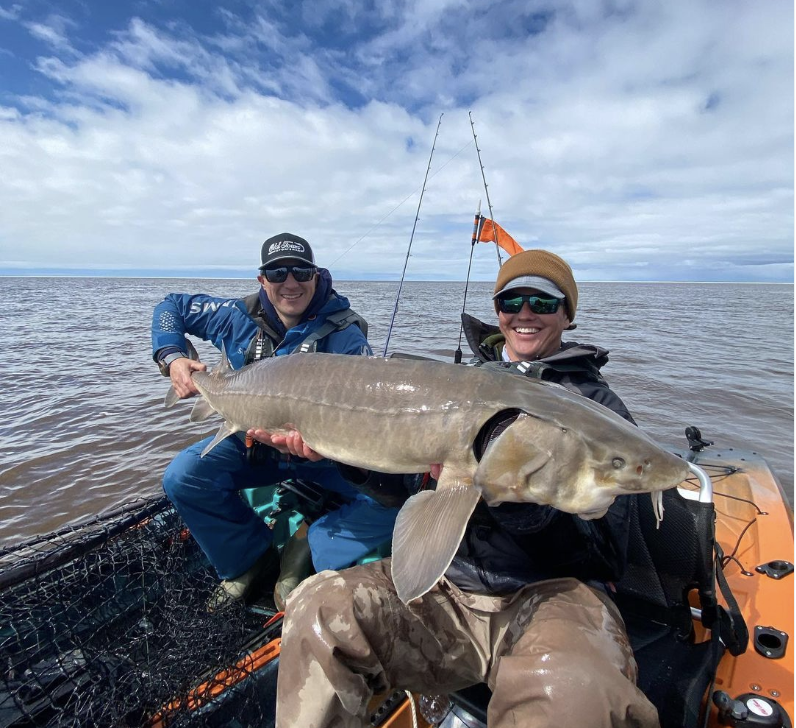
x=83 y=426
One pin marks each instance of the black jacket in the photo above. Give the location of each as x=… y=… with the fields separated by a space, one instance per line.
x=513 y=544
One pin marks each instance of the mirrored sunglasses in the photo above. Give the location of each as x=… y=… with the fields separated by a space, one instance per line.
x=301 y=273
x=537 y=304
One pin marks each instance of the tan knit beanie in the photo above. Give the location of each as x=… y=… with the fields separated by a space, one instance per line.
x=545 y=265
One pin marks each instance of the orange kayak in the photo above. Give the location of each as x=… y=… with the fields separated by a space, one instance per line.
x=754 y=524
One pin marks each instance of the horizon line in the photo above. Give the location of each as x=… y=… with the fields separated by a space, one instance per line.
x=373 y=280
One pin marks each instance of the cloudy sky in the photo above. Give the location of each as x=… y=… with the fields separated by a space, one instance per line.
x=640 y=139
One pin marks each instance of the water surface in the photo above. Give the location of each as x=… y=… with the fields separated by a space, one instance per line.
x=84 y=428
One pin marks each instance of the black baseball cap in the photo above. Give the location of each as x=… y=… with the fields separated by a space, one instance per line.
x=286 y=246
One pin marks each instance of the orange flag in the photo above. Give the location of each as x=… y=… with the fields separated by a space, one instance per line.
x=491 y=232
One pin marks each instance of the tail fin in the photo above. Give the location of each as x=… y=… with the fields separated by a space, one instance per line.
x=202 y=408
x=171 y=398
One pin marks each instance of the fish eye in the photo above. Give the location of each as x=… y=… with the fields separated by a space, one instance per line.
x=618 y=463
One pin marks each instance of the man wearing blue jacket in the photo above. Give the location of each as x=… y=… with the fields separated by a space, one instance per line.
x=296 y=309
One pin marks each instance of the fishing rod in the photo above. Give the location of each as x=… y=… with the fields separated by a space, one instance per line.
x=486 y=189
x=412 y=236
x=457 y=356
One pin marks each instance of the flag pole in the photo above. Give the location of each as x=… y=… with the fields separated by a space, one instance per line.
x=486 y=189
x=412 y=236
x=457 y=356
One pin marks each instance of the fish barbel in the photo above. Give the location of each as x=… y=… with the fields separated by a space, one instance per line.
x=402 y=415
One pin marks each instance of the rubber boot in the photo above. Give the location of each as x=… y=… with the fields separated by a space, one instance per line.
x=296 y=565
x=230 y=591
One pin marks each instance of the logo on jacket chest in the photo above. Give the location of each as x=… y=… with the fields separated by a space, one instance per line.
x=211 y=306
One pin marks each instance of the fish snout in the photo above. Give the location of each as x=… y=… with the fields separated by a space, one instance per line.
x=670 y=471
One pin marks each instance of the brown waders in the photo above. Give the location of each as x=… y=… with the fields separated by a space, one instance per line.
x=554 y=653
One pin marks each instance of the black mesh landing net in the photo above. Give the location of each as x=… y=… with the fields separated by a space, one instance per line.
x=106 y=624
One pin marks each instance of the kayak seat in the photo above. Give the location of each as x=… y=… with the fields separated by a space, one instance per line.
x=286 y=505
x=670 y=565
x=666 y=564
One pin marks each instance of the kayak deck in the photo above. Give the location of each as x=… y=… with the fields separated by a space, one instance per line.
x=754 y=526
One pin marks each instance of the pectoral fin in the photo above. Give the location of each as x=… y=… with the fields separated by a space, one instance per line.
x=223 y=433
x=428 y=531
x=510 y=468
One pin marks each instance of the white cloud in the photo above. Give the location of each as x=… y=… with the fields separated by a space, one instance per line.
x=11 y=13
x=627 y=141
x=53 y=31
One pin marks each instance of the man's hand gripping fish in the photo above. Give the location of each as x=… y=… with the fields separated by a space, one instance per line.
x=401 y=415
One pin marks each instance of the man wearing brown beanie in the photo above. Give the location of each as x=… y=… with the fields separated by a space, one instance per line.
x=536 y=299
x=525 y=605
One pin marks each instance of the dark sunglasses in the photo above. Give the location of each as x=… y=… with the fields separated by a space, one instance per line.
x=301 y=273
x=538 y=304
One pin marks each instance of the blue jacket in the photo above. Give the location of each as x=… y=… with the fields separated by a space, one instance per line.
x=235 y=324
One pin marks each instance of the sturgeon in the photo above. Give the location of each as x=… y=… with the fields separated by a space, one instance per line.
x=402 y=415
